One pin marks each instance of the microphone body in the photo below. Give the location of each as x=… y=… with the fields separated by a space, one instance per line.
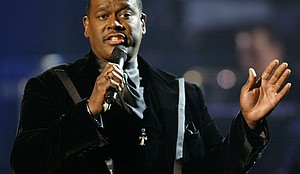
x=119 y=56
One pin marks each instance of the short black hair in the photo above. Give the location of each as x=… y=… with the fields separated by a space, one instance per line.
x=88 y=6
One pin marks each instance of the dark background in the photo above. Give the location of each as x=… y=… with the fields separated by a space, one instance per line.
x=182 y=35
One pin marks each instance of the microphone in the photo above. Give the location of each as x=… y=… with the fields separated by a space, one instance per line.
x=119 y=56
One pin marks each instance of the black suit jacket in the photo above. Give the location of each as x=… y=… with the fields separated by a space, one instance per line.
x=57 y=136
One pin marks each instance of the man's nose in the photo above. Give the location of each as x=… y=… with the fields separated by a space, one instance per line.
x=115 y=24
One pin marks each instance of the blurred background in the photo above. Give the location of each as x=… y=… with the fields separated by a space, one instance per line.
x=210 y=42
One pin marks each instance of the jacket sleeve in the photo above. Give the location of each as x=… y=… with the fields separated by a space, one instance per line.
x=235 y=153
x=48 y=134
x=245 y=146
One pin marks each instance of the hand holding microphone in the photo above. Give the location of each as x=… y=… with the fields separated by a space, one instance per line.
x=108 y=82
x=119 y=56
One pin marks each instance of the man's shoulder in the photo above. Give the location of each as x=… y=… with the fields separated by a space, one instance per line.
x=68 y=67
x=152 y=72
x=76 y=65
x=49 y=76
x=158 y=74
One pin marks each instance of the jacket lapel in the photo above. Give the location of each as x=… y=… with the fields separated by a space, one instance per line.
x=164 y=86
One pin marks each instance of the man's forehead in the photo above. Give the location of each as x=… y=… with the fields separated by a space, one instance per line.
x=130 y=2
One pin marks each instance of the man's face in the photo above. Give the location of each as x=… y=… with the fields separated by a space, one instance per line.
x=114 y=22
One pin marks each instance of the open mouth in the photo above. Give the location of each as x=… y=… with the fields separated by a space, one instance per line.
x=115 y=39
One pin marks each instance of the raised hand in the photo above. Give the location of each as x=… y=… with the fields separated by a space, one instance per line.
x=259 y=98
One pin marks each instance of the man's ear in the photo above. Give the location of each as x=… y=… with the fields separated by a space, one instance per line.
x=86 y=24
x=143 y=21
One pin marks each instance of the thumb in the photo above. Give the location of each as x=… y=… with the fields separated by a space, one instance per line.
x=251 y=82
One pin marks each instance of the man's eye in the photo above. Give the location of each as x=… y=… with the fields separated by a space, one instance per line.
x=126 y=15
x=103 y=17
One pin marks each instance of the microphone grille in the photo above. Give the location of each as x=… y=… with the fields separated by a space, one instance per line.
x=120 y=51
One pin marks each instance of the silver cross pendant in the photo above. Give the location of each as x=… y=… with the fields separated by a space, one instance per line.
x=143 y=137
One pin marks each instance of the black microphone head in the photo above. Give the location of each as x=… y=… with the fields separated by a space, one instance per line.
x=120 y=51
x=118 y=56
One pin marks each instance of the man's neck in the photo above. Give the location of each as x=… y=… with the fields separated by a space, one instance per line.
x=130 y=67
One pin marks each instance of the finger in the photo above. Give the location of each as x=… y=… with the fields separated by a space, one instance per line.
x=269 y=70
x=278 y=73
x=108 y=75
x=116 y=67
x=251 y=79
x=284 y=91
x=115 y=85
x=116 y=77
x=282 y=79
x=106 y=72
x=105 y=75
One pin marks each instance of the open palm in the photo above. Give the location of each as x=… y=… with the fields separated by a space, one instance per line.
x=259 y=98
